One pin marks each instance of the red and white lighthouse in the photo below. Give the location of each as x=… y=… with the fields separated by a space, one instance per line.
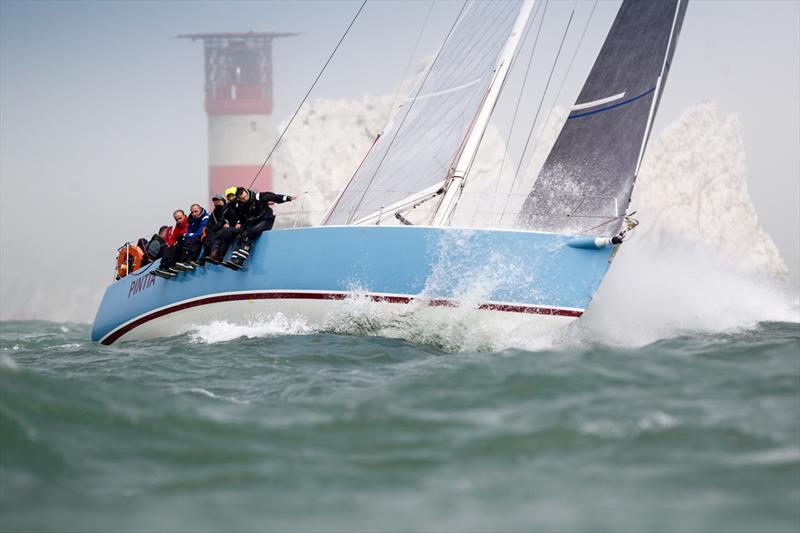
x=238 y=102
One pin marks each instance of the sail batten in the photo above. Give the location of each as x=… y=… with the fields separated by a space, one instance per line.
x=595 y=103
x=588 y=176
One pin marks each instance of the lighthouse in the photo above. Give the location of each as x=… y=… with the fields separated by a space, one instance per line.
x=238 y=102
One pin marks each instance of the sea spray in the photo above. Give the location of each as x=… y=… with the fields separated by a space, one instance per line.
x=700 y=260
x=673 y=287
x=266 y=326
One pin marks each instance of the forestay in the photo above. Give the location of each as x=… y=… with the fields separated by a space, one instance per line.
x=586 y=182
x=416 y=150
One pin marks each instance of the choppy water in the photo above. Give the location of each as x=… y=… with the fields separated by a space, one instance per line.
x=319 y=431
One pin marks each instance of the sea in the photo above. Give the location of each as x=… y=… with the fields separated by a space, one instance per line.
x=275 y=426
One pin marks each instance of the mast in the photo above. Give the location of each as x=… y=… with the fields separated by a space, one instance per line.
x=473 y=139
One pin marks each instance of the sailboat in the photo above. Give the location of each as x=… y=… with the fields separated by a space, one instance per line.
x=390 y=236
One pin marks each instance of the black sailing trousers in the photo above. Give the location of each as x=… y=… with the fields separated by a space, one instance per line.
x=190 y=250
x=171 y=255
x=252 y=232
x=219 y=241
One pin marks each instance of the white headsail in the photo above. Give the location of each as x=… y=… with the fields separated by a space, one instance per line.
x=419 y=150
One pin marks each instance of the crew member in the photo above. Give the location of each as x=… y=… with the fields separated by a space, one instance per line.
x=216 y=223
x=190 y=247
x=172 y=252
x=229 y=232
x=155 y=246
x=254 y=216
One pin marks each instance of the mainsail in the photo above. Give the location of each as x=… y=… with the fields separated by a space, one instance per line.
x=586 y=182
x=416 y=151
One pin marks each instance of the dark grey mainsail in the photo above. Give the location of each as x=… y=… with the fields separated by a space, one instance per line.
x=586 y=182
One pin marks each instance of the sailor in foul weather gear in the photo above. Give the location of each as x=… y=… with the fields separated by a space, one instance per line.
x=217 y=222
x=155 y=246
x=172 y=252
x=191 y=243
x=229 y=232
x=253 y=216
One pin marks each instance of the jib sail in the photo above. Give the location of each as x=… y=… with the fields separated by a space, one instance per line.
x=416 y=152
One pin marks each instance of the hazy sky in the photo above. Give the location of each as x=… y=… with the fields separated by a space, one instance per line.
x=103 y=133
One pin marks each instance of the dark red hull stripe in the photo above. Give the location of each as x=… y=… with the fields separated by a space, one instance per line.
x=325 y=296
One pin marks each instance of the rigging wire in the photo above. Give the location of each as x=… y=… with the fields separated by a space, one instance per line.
x=541 y=101
x=566 y=74
x=577 y=47
x=277 y=142
x=408 y=65
x=558 y=93
x=521 y=91
x=405 y=116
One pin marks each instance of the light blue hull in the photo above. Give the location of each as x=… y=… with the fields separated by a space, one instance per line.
x=507 y=272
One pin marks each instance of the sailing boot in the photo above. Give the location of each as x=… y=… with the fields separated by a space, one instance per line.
x=236 y=263
x=243 y=252
x=158 y=272
x=215 y=257
x=244 y=248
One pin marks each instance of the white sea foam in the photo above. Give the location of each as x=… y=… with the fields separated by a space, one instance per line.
x=657 y=421
x=204 y=392
x=652 y=422
x=67 y=346
x=659 y=290
x=452 y=329
x=272 y=326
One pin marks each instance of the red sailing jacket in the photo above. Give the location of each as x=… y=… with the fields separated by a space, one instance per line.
x=177 y=231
